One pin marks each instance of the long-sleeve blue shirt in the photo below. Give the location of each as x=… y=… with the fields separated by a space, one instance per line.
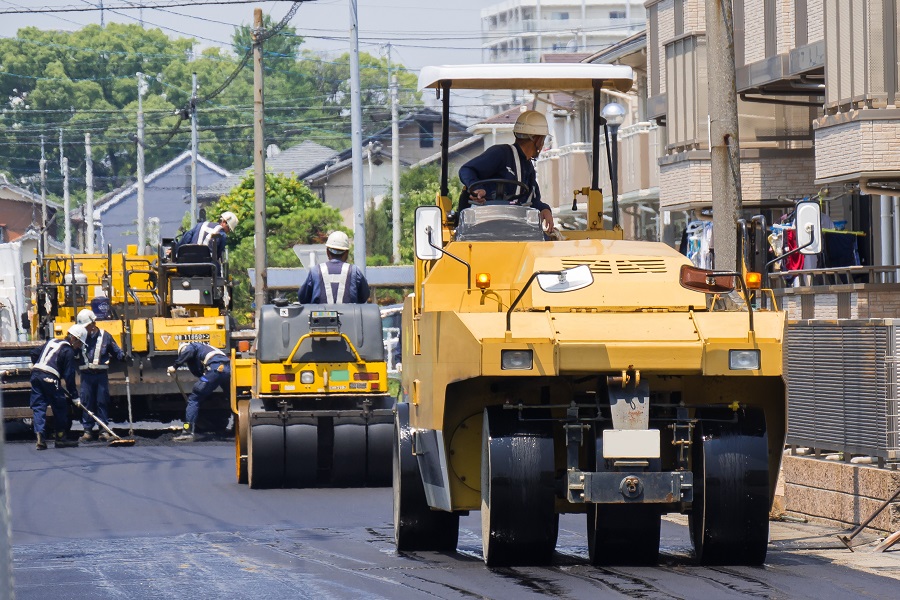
x=107 y=347
x=356 y=288
x=56 y=358
x=200 y=235
x=497 y=162
x=199 y=356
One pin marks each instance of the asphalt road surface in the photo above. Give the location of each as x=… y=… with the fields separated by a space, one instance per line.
x=160 y=520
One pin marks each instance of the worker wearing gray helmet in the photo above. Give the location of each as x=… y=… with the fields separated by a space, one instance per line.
x=99 y=348
x=335 y=281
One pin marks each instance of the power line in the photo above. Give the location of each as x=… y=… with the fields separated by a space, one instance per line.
x=126 y=6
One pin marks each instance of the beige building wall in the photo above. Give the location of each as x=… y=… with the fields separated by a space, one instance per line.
x=859 y=141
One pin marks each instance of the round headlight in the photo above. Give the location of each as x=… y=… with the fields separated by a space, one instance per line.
x=307 y=377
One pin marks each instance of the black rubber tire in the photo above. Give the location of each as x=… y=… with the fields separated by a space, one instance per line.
x=623 y=534
x=301 y=455
x=241 y=440
x=620 y=534
x=519 y=522
x=416 y=526
x=378 y=454
x=265 y=457
x=348 y=466
x=729 y=520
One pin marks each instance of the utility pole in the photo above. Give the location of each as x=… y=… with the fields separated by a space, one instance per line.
x=142 y=239
x=723 y=131
x=259 y=167
x=359 y=205
x=64 y=169
x=89 y=194
x=395 y=168
x=43 y=164
x=194 y=143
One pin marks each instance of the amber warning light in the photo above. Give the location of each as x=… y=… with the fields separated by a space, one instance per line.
x=754 y=280
x=483 y=281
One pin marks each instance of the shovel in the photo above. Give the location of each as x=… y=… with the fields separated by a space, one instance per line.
x=118 y=441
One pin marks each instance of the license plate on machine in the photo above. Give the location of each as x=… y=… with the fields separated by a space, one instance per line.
x=631 y=443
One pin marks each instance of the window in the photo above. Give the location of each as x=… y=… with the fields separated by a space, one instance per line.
x=426 y=134
x=617 y=14
x=559 y=16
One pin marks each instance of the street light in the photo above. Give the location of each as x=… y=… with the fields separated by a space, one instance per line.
x=614 y=113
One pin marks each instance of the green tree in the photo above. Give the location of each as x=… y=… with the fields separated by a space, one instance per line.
x=294 y=215
x=419 y=187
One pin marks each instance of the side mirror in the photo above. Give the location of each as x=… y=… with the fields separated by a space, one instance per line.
x=428 y=229
x=706 y=281
x=568 y=280
x=808 y=220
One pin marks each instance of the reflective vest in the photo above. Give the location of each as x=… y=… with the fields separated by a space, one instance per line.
x=339 y=278
x=47 y=362
x=93 y=364
x=213 y=354
x=208 y=232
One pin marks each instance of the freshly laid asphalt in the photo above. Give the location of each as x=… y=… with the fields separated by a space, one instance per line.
x=160 y=520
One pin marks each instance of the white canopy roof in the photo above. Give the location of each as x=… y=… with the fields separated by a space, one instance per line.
x=528 y=76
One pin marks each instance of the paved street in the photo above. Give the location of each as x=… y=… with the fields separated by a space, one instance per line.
x=163 y=521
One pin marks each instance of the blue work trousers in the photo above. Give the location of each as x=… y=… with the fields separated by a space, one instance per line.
x=46 y=391
x=218 y=374
x=95 y=397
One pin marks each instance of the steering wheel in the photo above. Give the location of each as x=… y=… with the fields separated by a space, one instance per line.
x=500 y=196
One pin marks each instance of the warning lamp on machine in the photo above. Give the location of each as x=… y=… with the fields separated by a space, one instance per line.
x=754 y=280
x=483 y=281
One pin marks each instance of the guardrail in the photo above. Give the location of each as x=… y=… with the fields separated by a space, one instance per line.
x=835 y=276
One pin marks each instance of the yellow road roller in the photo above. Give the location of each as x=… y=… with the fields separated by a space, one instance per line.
x=311 y=401
x=580 y=373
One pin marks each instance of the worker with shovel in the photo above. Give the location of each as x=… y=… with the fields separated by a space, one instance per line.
x=99 y=349
x=213 y=367
x=54 y=363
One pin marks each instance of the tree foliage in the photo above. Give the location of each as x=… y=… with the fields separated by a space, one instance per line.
x=294 y=215
x=85 y=82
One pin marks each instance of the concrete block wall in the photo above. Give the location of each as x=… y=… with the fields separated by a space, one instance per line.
x=772 y=177
x=850 y=142
x=695 y=15
x=839 y=492
x=685 y=181
x=815 y=20
x=666 y=29
x=754 y=32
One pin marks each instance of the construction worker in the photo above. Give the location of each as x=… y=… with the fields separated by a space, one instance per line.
x=212 y=234
x=335 y=281
x=213 y=368
x=512 y=162
x=54 y=363
x=98 y=349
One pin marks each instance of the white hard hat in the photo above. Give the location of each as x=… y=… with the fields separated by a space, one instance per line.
x=183 y=346
x=85 y=317
x=531 y=122
x=230 y=219
x=338 y=240
x=78 y=332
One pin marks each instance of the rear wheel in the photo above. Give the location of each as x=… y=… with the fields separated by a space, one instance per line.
x=416 y=526
x=620 y=534
x=241 y=435
x=265 y=456
x=519 y=523
x=348 y=466
x=301 y=455
x=729 y=520
x=378 y=454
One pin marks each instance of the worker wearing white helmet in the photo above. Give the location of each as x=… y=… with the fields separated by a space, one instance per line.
x=512 y=162
x=335 y=281
x=54 y=363
x=212 y=234
x=212 y=367
x=99 y=349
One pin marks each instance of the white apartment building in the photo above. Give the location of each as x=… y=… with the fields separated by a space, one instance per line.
x=522 y=30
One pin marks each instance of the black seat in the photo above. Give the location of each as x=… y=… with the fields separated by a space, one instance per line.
x=194 y=253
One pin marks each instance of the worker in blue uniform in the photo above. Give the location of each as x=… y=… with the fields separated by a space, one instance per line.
x=99 y=349
x=213 y=368
x=53 y=364
x=212 y=234
x=335 y=281
x=512 y=162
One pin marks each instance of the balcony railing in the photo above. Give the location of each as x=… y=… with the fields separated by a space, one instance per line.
x=546 y=26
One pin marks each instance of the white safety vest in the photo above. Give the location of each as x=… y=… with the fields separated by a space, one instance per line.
x=208 y=233
x=518 y=161
x=210 y=355
x=94 y=363
x=50 y=350
x=339 y=278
